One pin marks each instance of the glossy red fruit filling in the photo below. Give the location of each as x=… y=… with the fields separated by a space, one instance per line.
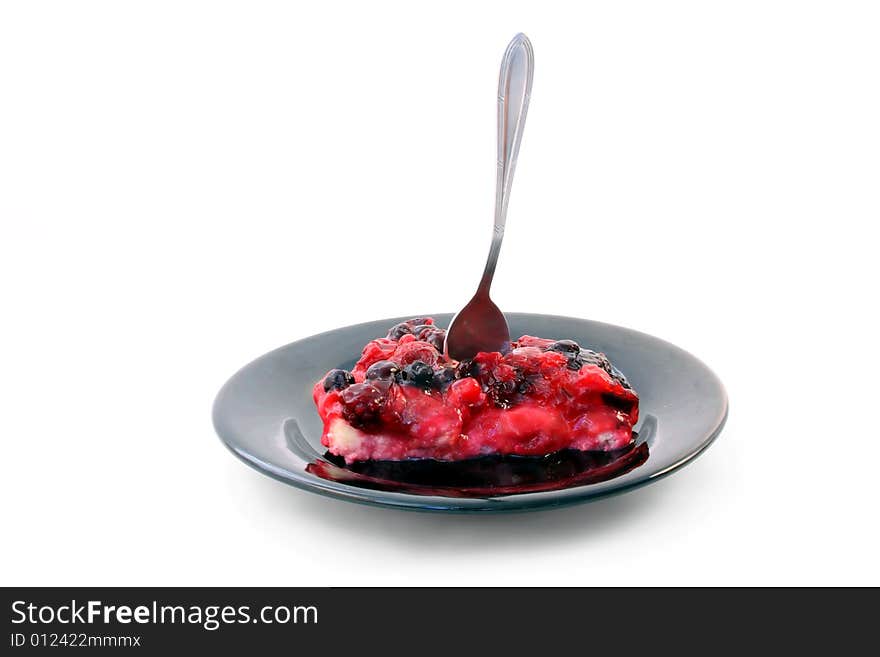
x=405 y=400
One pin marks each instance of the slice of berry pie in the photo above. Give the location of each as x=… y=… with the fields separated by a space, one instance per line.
x=405 y=400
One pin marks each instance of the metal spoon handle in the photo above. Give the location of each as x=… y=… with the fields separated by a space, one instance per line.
x=514 y=91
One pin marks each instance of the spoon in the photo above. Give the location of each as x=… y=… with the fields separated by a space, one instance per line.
x=480 y=325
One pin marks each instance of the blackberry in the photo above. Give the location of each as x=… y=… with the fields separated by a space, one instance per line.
x=338 y=380
x=502 y=393
x=362 y=405
x=466 y=368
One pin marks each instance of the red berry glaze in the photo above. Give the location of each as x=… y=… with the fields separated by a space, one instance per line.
x=541 y=397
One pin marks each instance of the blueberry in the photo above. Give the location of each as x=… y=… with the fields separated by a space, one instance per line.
x=415 y=321
x=399 y=330
x=574 y=364
x=337 y=379
x=382 y=370
x=565 y=347
x=418 y=373
x=444 y=377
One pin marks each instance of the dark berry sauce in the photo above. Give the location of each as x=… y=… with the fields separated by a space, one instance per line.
x=484 y=476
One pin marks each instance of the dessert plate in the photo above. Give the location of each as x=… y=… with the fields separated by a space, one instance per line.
x=266 y=416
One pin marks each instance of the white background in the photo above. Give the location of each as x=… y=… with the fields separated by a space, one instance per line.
x=186 y=185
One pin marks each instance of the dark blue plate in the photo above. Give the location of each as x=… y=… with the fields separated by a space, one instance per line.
x=266 y=416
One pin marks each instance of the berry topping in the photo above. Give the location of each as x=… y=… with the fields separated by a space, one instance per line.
x=418 y=373
x=384 y=370
x=405 y=399
x=337 y=380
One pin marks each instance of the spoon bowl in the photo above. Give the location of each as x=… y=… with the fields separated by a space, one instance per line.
x=479 y=326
